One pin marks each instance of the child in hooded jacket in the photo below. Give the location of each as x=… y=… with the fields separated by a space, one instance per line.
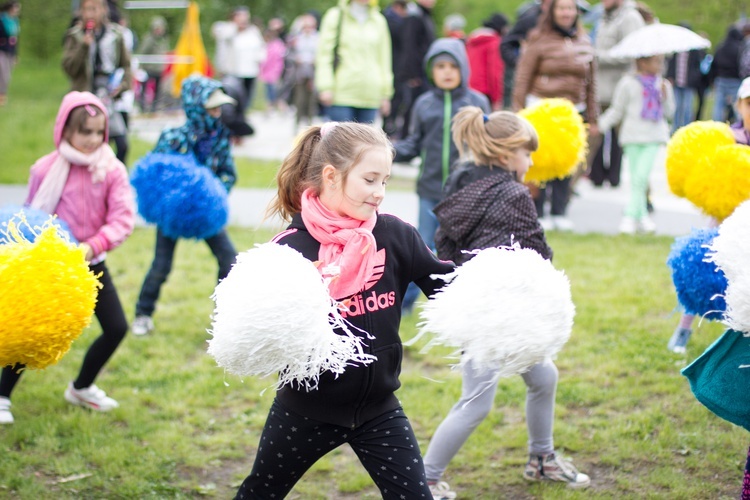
x=208 y=139
x=430 y=131
x=331 y=186
x=85 y=185
x=485 y=206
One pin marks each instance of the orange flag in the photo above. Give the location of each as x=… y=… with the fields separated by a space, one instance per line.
x=190 y=54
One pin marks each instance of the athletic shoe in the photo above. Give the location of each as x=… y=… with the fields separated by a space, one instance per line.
x=679 y=340
x=647 y=225
x=441 y=491
x=142 y=325
x=90 y=397
x=551 y=468
x=627 y=225
x=6 y=417
x=546 y=224
x=562 y=223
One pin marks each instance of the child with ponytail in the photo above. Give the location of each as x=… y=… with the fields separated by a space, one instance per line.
x=486 y=205
x=330 y=187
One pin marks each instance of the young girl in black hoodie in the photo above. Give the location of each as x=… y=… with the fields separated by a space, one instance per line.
x=331 y=186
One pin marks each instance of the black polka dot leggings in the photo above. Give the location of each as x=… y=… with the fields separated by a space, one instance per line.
x=290 y=444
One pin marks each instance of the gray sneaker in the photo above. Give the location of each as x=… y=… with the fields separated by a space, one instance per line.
x=142 y=325
x=679 y=340
x=441 y=491
x=552 y=468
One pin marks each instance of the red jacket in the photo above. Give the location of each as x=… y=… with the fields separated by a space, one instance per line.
x=487 y=68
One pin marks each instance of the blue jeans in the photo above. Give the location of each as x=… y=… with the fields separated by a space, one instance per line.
x=683 y=101
x=272 y=93
x=427 y=227
x=220 y=245
x=725 y=94
x=350 y=114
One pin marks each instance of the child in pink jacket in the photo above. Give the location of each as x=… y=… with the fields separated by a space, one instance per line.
x=85 y=185
x=273 y=67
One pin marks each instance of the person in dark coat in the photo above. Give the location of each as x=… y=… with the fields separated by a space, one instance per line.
x=725 y=75
x=684 y=72
x=415 y=37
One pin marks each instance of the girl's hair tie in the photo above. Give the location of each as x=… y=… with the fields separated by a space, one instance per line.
x=89 y=109
x=327 y=127
x=485 y=118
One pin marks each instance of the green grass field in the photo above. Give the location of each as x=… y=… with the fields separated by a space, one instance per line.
x=184 y=429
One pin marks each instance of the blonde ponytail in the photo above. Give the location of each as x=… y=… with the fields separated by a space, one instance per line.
x=490 y=137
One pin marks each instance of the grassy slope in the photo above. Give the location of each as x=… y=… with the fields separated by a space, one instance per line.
x=184 y=429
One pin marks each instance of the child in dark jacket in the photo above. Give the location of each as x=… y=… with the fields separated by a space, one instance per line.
x=331 y=186
x=430 y=131
x=205 y=136
x=486 y=206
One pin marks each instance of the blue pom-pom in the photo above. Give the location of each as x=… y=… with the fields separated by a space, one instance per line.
x=700 y=285
x=30 y=222
x=182 y=197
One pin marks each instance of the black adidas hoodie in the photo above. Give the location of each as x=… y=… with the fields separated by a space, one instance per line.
x=364 y=392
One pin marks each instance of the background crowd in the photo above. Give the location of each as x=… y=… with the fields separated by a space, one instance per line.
x=356 y=61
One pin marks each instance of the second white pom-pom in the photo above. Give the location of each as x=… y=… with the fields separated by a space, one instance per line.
x=274 y=315
x=730 y=250
x=506 y=309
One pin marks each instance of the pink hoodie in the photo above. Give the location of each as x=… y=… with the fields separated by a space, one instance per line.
x=272 y=68
x=100 y=214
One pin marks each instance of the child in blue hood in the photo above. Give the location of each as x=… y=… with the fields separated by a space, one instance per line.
x=207 y=138
x=430 y=132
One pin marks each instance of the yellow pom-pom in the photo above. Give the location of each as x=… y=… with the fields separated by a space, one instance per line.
x=48 y=297
x=689 y=147
x=722 y=182
x=563 y=140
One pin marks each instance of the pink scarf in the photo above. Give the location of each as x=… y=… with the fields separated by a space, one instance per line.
x=347 y=247
x=50 y=190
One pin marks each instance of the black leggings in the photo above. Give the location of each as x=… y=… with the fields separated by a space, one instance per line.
x=114 y=325
x=291 y=444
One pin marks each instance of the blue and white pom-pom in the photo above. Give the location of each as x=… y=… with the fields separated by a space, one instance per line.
x=274 y=315
x=730 y=251
x=30 y=222
x=184 y=198
x=506 y=309
x=699 y=284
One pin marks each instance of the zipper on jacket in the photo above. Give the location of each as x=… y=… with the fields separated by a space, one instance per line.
x=447 y=107
x=368 y=386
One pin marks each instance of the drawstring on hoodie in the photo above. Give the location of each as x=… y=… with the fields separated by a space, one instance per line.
x=447 y=108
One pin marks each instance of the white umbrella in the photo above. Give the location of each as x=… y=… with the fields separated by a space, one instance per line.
x=655 y=39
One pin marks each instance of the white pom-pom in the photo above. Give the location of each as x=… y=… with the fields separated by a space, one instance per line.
x=730 y=251
x=506 y=309
x=273 y=315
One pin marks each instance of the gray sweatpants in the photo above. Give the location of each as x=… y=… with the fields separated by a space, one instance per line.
x=477 y=397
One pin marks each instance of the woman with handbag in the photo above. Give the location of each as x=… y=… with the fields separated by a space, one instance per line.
x=353 y=71
x=557 y=61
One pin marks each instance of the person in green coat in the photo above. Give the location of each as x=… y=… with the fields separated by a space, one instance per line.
x=353 y=71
